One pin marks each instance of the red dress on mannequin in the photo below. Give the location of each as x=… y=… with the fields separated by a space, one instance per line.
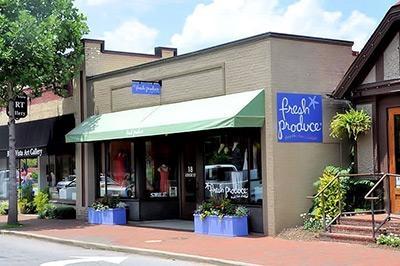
x=164 y=175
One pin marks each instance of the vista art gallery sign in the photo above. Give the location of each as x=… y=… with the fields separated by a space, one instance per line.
x=299 y=117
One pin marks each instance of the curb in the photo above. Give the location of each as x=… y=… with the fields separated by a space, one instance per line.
x=138 y=251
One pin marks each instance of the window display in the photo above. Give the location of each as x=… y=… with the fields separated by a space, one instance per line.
x=232 y=168
x=119 y=179
x=161 y=176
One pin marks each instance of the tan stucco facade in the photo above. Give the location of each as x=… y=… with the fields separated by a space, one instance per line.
x=274 y=63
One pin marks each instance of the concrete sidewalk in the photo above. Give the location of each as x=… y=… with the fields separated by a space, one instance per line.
x=219 y=250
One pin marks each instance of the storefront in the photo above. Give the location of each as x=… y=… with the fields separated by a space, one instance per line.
x=164 y=160
x=214 y=126
x=372 y=83
x=43 y=157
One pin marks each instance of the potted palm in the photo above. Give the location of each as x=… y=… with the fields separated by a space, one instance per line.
x=108 y=210
x=221 y=217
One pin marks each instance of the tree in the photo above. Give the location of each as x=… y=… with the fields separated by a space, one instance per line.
x=40 y=49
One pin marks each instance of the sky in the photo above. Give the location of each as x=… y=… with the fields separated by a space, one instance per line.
x=190 y=25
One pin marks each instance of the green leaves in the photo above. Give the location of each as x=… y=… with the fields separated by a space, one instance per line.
x=40 y=45
x=350 y=124
x=334 y=195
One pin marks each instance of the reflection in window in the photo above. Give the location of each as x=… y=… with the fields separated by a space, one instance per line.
x=232 y=168
x=226 y=168
x=161 y=176
x=117 y=176
x=256 y=190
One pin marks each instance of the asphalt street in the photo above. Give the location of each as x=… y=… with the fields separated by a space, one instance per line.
x=24 y=251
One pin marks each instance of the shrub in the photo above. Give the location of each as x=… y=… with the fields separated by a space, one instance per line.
x=51 y=211
x=35 y=176
x=41 y=200
x=65 y=212
x=48 y=212
x=391 y=240
x=220 y=208
x=333 y=195
x=3 y=207
x=25 y=202
x=26 y=207
x=310 y=223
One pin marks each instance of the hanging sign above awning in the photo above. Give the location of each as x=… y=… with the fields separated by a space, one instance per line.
x=146 y=87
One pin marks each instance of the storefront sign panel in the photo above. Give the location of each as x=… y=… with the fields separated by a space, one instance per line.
x=299 y=117
x=26 y=153
x=146 y=87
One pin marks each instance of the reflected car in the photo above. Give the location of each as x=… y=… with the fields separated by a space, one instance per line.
x=68 y=181
x=219 y=171
x=114 y=189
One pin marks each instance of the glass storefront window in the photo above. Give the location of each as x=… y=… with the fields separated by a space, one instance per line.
x=118 y=178
x=256 y=189
x=226 y=168
x=64 y=176
x=232 y=168
x=161 y=171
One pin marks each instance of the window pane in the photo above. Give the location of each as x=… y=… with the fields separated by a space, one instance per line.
x=226 y=167
x=256 y=189
x=161 y=170
x=121 y=182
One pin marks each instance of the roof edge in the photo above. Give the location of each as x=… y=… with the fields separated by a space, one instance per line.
x=254 y=38
x=370 y=46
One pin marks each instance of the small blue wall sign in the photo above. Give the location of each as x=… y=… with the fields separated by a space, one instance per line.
x=146 y=87
x=299 y=117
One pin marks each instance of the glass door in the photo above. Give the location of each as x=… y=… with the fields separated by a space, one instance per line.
x=188 y=180
x=394 y=157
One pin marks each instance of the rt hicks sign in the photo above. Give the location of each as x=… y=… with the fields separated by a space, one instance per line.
x=20 y=106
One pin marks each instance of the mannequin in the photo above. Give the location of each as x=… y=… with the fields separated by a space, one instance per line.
x=237 y=159
x=164 y=176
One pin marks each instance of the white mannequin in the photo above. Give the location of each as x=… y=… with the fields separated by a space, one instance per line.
x=221 y=147
x=235 y=145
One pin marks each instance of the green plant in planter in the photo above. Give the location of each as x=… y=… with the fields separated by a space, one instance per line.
x=220 y=207
x=350 y=124
x=3 y=207
x=26 y=204
x=108 y=202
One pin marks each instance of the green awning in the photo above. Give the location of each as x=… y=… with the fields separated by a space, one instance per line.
x=244 y=109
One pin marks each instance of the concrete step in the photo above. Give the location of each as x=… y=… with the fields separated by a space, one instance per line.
x=352 y=229
x=392 y=226
x=347 y=238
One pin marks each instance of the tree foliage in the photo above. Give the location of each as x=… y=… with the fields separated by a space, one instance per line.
x=40 y=46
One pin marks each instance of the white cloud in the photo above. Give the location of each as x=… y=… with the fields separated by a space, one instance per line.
x=131 y=36
x=225 y=20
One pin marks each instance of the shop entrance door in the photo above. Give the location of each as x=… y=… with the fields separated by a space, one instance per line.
x=394 y=157
x=188 y=180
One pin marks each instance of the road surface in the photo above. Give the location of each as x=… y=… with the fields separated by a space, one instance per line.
x=24 y=251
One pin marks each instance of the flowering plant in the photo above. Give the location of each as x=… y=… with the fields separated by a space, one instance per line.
x=220 y=208
x=108 y=202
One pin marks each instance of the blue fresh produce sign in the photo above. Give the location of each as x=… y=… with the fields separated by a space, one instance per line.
x=146 y=87
x=299 y=117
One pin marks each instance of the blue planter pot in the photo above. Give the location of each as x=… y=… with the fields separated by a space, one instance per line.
x=110 y=216
x=227 y=226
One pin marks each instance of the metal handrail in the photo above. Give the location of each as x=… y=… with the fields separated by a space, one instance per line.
x=369 y=196
x=337 y=177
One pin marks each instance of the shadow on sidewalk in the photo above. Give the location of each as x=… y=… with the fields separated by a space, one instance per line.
x=33 y=223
